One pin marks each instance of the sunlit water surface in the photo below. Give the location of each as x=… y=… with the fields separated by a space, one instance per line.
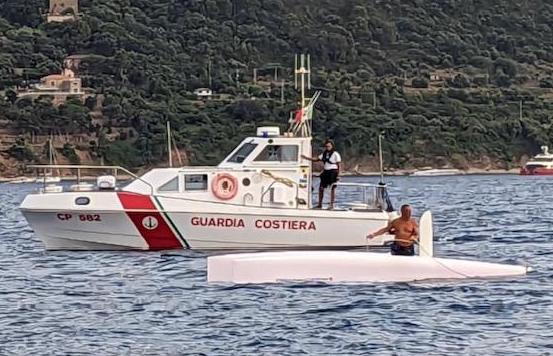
x=142 y=303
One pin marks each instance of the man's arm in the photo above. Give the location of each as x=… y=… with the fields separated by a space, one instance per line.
x=339 y=165
x=415 y=234
x=312 y=159
x=381 y=231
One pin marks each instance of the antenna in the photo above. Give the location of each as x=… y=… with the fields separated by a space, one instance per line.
x=303 y=70
x=295 y=74
x=309 y=71
x=301 y=124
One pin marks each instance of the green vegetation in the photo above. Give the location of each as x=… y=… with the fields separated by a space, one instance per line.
x=147 y=57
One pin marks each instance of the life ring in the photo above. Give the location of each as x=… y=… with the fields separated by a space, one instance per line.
x=224 y=186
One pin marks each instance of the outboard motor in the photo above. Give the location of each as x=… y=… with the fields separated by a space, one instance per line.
x=107 y=182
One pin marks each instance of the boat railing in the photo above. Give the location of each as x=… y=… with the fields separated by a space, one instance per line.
x=79 y=168
x=374 y=196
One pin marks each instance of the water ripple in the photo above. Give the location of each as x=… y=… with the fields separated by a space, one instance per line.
x=106 y=303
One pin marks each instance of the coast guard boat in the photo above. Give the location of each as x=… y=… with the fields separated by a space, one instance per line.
x=258 y=197
x=539 y=165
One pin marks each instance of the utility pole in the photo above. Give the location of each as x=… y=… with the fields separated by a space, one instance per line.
x=380 y=158
x=255 y=75
x=520 y=110
x=170 y=154
x=276 y=74
x=374 y=100
x=282 y=91
x=209 y=71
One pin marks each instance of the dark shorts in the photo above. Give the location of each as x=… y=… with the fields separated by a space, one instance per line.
x=328 y=177
x=398 y=250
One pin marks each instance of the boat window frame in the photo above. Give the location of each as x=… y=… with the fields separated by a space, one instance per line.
x=238 y=152
x=176 y=177
x=297 y=159
x=203 y=190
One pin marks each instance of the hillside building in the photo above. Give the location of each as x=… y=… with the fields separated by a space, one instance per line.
x=203 y=93
x=63 y=10
x=59 y=86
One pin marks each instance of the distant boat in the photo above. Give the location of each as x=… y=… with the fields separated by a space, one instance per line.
x=48 y=177
x=21 y=180
x=437 y=172
x=539 y=165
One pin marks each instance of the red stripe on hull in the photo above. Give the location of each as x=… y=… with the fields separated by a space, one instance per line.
x=136 y=201
x=536 y=172
x=151 y=224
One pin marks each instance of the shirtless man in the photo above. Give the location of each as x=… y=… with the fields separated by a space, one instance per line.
x=406 y=231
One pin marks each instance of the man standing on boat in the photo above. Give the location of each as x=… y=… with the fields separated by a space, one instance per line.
x=406 y=231
x=331 y=172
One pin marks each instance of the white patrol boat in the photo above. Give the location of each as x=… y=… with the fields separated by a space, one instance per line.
x=259 y=197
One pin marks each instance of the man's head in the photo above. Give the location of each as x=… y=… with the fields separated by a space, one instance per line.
x=406 y=211
x=329 y=145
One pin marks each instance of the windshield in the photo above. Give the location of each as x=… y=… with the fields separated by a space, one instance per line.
x=278 y=153
x=242 y=153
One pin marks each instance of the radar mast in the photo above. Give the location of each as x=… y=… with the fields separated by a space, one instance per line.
x=301 y=120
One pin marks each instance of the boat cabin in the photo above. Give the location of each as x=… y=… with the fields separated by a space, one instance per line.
x=266 y=170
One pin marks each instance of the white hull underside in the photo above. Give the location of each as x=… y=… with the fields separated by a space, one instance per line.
x=341 y=266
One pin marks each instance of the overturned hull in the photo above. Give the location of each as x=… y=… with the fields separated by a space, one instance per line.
x=343 y=266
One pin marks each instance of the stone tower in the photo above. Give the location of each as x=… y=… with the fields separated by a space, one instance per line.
x=63 y=10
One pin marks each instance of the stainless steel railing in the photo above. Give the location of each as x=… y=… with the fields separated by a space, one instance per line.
x=79 y=168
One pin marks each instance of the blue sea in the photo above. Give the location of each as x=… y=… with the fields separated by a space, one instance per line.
x=159 y=303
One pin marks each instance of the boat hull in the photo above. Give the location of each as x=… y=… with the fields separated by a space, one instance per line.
x=128 y=221
x=536 y=172
x=343 y=266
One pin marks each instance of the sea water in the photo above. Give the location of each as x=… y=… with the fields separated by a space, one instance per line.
x=158 y=303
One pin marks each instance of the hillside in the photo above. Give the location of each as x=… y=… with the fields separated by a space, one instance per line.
x=444 y=80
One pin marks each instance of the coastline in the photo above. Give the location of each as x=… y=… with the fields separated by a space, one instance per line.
x=407 y=172
x=398 y=172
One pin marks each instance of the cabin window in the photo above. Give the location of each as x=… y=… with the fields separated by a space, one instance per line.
x=278 y=153
x=195 y=182
x=242 y=153
x=170 y=186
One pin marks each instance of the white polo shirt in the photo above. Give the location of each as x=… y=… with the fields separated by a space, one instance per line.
x=334 y=159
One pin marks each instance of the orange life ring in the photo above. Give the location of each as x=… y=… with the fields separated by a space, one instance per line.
x=224 y=186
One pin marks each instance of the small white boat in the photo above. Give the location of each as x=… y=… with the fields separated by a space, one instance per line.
x=22 y=180
x=347 y=266
x=48 y=179
x=437 y=172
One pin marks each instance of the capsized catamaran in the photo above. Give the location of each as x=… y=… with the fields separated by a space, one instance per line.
x=258 y=197
x=349 y=266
